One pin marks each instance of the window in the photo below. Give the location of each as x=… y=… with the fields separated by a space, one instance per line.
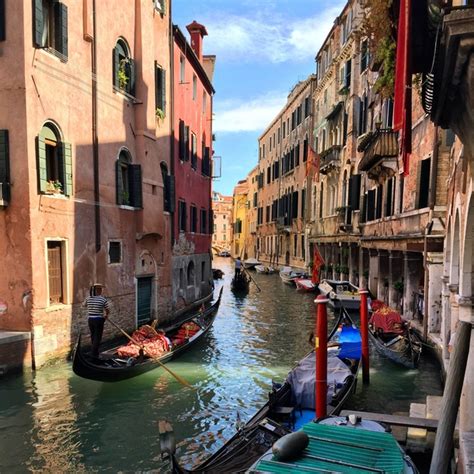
x=194 y=217
x=363 y=103
x=182 y=69
x=4 y=168
x=195 y=87
x=50 y=26
x=215 y=228
x=204 y=102
x=347 y=75
x=224 y=227
x=160 y=90
x=182 y=216
x=183 y=141
x=203 y=222
x=193 y=151
x=364 y=56
x=54 y=160
x=182 y=282
x=160 y=6
x=55 y=272
x=191 y=274
x=2 y=21
x=123 y=68
x=168 y=189
x=424 y=183
x=115 y=251
x=128 y=181
x=206 y=160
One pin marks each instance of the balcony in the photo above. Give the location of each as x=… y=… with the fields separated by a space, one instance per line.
x=330 y=159
x=380 y=152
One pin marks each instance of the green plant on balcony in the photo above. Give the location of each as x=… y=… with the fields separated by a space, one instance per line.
x=399 y=286
x=337 y=268
x=344 y=270
x=123 y=78
x=159 y=114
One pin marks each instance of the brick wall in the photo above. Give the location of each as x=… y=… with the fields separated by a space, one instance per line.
x=15 y=356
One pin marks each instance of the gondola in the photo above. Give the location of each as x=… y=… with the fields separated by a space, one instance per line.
x=393 y=337
x=240 y=283
x=109 y=367
x=290 y=405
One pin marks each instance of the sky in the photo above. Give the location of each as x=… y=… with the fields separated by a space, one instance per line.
x=263 y=48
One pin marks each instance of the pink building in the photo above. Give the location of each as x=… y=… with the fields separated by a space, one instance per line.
x=85 y=139
x=193 y=92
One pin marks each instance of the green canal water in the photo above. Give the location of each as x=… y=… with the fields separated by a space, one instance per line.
x=54 y=421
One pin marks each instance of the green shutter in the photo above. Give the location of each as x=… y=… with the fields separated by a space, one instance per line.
x=171 y=193
x=115 y=67
x=41 y=163
x=135 y=185
x=186 y=143
x=131 y=77
x=4 y=157
x=61 y=37
x=118 y=183
x=2 y=21
x=66 y=168
x=163 y=90
x=38 y=25
x=182 y=153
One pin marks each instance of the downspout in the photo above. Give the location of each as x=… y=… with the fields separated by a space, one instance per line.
x=432 y=202
x=172 y=144
x=95 y=138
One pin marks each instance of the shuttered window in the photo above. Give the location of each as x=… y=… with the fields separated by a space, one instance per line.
x=55 y=272
x=424 y=183
x=115 y=252
x=160 y=88
x=193 y=219
x=3 y=33
x=203 y=222
x=128 y=178
x=51 y=26
x=354 y=192
x=186 y=143
x=193 y=151
x=123 y=68
x=54 y=162
x=371 y=205
x=4 y=168
x=182 y=216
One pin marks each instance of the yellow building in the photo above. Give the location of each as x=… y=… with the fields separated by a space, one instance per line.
x=239 y=219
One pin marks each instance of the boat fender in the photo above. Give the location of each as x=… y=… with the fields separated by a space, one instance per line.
x=290 y=446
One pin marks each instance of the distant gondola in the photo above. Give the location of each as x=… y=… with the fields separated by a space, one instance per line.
x=240 y=283
x=290 y=405
x=112 y=368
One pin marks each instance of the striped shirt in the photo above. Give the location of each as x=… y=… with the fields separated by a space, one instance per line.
x=96 y=305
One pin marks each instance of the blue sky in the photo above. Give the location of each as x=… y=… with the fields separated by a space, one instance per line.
x=263 y=48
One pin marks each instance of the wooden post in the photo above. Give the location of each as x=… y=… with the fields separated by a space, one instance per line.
x=321 y=351
x=449 y=406
x=364 y=332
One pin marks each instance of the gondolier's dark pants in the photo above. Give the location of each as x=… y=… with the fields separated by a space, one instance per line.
x=96 y=327
x=237 y=272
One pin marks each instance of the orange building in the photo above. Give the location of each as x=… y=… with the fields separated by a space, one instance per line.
x=84 y=156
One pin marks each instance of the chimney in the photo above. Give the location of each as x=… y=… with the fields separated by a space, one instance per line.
x=197 y=32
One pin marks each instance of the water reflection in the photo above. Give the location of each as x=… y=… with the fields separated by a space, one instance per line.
x=56 y=421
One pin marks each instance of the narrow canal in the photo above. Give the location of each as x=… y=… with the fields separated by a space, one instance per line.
x=54 y=421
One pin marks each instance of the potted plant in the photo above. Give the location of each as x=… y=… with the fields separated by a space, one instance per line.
x=54 y=187
x=345 y=271
x=125 y=198
x=122 y=75
x=398 y=286
x=159 y=114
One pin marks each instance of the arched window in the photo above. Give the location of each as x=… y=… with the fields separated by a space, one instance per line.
x=191 y=274
x=54 y=162
x=124 y=68
x=128 y=181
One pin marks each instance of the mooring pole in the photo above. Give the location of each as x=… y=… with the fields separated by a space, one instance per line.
x=443 y=447
x=321 y=351
x=364 y=330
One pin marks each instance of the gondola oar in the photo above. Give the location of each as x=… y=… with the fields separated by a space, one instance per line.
x=250 y=276
x=176 y=376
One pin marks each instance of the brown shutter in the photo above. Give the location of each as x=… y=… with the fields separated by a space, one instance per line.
x=55 y=272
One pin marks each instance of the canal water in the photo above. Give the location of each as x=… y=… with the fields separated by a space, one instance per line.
x=57 y=422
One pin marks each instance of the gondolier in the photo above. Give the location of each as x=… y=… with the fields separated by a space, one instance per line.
x=98 y=308
x=238 y=267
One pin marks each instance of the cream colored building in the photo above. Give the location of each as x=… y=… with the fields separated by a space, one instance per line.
x=222 y=212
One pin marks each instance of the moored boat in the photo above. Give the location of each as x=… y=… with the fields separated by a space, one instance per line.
x=393 y=337
x=341 y=293
x=251 y=263
x=291 y=404
x=113 y=365
x=288 y=275
x=305 y=284
x=337 y=444
x=264 y=269
x=217 y=273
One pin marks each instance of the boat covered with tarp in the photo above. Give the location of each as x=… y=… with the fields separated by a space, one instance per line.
x=152 y=348
x=392 y=336
x=291 y=404
x=341 y=293
x=337 y=445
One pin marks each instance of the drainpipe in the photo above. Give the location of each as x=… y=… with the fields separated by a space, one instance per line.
x=95 y=138
x=172 y=145
x=432 y=202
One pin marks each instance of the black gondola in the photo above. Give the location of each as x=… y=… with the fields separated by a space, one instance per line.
x=282 y=414
x=111 y=368
x=240 y=283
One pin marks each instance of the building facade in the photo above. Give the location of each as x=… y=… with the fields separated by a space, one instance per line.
x=240 y=206
x=222 y=212
x=82 y=192
x=192 y=154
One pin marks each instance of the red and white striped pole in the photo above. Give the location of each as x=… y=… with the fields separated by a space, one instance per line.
x=321 y=351
x=364 y=330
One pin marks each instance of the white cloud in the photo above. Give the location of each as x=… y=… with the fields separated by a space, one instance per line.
x=268 y=37
x=249 y=116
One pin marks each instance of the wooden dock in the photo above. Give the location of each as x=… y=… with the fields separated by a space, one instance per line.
x=395 y=420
